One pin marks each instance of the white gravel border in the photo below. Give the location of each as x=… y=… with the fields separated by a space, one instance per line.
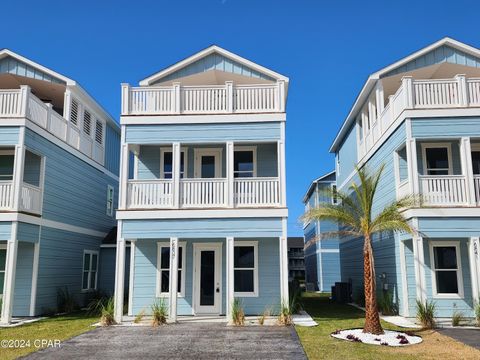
x=389 y=338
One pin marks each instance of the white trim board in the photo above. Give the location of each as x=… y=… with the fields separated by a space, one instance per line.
x=202 y=213
x=239 y=243
x=201 y=119
x=436 y=145
x=217 y=153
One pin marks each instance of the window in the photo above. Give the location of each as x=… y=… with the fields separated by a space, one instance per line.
x=99 y=132
x=244 y=163
x=334 y=194
x=7 y=159
x=110 y=195
x=245 y=264
x=476 y=161
x=87 y=123
x=90 y=265
x=446 y=269
x=166 y=163
x=163 y=269
x=74 y=112
x=3 y=259
x=436 y=159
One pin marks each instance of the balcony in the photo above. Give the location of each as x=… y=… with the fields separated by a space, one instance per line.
x=212 y=99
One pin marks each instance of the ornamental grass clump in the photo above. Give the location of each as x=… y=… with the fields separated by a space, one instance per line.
x=285 y=316
x=477 y=313
x=238 y=315
x=457 y=318
x=107 y=311
x=159 y=312
x=266 y=313
x=426 y=314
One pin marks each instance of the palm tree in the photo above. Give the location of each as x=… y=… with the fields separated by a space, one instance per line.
x=355 y=219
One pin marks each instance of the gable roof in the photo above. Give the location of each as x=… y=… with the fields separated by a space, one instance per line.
x=214 y=49
x=390 y=69
x=323 y=178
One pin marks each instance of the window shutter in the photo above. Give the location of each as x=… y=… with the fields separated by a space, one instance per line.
x=87 y=123
x=99 y=132
x=74 y=112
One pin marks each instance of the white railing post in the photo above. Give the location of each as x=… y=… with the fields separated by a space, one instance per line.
x=176 y=158
x=24 y=95
x=407 y=84
x=229 y=90
x=176 y=98
x=18 y=169
x=230 y=189
x=467 y=169
x=67 y=104
x=462 y=90
x=49 y=116
x=125 y=99
x=281 y=95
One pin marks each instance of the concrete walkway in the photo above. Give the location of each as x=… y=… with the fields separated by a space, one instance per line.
x=181 y=341
x=467 y=336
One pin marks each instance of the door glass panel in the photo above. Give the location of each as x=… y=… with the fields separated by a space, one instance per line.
x=476 y=162
x=208 y=166
x=437 y=161
x=243 y=164
x=207 y=278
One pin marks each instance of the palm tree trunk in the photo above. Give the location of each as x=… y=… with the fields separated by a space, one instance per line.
x=372 y=319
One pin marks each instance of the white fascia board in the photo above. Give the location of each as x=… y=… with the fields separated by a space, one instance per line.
x=200 y=214
x=203 y=53
x=201 y=119
x=444 y=212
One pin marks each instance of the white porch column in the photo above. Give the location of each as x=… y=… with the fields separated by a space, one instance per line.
x=119 y=274
x=229 y=276
x=229 y=89
x=412 y=167
x=407 y=83
x=123 y=179
x=474 y=257
x=419 y=264
x=230 y=180
x=281 y=95
x=176 y=159
x=18 y=169
x=10 y=270
x=33 y=291
x=173 y=280
x=176 y=98
x=131 y=281
x=281 y=166
x=283 y=252
x=379 y=98
x=467 y=169
x=403 y=272
x=125 y=98
x=462 y=90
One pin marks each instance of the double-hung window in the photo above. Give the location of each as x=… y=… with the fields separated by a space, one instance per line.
x=166 y=164
x=245 y=264
x=446 y=269
x=110 y=195
x=3 y=259
x=90 y=266
x=334 y=194
x=437 y=159
x=244 y=162
x=163 y=269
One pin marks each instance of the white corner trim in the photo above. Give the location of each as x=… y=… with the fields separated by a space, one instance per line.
x=201 y=119
x=403 y=274
x=443 y=212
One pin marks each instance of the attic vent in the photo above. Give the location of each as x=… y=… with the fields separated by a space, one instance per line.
x=74 y=112
x=87 y=123
x=99 y=132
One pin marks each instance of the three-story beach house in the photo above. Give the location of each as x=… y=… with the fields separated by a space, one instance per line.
x=322 y=260
x=59 y=160
x=420 y=117
x=202 y=187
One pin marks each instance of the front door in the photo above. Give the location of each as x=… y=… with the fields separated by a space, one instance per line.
x=207 y=278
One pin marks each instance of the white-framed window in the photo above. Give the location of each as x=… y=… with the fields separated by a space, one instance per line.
x=245 y=161
x=446 y=265
x=166 y=163
x=245 y=268
x=7 y=160
x=3 y=260
x=110 y=196
x=90 y=270
x=475 y=158
x=334 y=194
x=437 y=159
x=208 y=162
x=163 y=269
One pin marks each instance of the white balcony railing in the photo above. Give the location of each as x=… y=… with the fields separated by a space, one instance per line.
x=212 y=99
x=6 y=195
x=445 y=190
x=203 y=193
x=31 y=199
x=476 y=183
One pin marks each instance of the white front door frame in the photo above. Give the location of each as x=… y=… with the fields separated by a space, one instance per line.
x=216 y=152
x=197 y=309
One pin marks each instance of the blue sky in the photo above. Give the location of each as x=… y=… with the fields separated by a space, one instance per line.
x=326 y=48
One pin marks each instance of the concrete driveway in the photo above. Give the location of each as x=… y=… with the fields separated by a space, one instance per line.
x=181 y=341
x=467 y=336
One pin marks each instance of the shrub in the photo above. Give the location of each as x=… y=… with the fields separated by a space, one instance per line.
x=65 y=301
x=285 y=317
x=426 y=314
x=266 y=313
x=477 y=313
x=238 y=316
x=139 y=317
x=97 y=302
x=386 y=304
x=457 y=318
x=159 y=312
x=107 y=317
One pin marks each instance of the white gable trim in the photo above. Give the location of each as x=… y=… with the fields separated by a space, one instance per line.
x=210 y=50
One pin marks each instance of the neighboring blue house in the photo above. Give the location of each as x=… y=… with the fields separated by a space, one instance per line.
x=322 y=262
x=204 y=208
x=420 y=117
x=59 y=162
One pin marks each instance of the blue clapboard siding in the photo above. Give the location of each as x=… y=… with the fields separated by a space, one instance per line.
x=32 y=168
x=215 y=62
x=267 y=165
x=23 y=280
x=75 y=192
x=311 y=256
x=28 y=232
x=9 y=135
x=455 y=150
x=196 y=133
x=411 y=282
x=61 y=265
x=112 y=149
x=439 y=55
x=148 y=162
x=403 y=164
x=347 y=155
x=144 y=290
x=9 y=65
x=5 y=230
x=199 y=228
x=330 y=269
x=438 y=128
x=449 y=227
x=106 y=270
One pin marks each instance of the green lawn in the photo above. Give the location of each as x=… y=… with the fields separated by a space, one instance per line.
x=55 y=328
x=318 y=343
